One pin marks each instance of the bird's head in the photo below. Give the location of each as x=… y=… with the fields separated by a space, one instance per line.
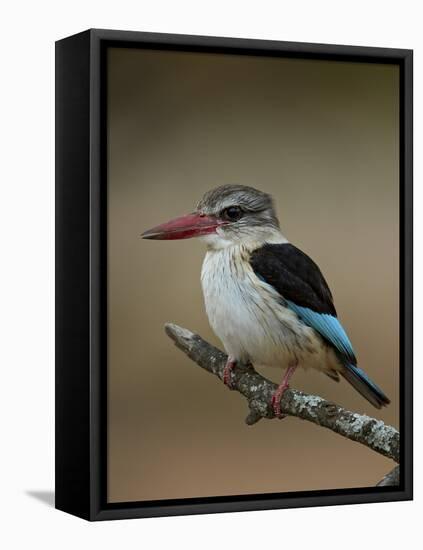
x=230 y=214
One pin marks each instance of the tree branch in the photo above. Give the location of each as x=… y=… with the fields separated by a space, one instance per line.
x=392 y=479
x=258 y=391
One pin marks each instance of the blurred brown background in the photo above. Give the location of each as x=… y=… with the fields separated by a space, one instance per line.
x=322 y=137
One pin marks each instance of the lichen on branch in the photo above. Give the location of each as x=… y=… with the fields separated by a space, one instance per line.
x=258 y=392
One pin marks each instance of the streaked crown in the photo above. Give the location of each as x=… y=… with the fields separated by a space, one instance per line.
x=246 y=211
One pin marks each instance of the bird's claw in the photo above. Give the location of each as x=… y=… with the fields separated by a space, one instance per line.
x=276 y=401
x=227 y=373
x=284 y=385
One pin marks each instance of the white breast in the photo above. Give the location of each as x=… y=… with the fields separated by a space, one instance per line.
x=248 y=316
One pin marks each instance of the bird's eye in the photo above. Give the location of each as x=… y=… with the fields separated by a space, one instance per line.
x=232 y=213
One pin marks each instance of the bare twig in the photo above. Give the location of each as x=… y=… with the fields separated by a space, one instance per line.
x=392 y=479
x=258 y=391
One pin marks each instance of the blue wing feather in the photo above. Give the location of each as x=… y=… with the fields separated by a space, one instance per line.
x=327 y=326
x=303 y=289
x=331 y=329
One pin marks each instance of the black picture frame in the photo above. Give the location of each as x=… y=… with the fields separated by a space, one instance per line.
x=81 y=250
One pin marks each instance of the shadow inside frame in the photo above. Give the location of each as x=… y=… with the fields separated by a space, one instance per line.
x=254 y=497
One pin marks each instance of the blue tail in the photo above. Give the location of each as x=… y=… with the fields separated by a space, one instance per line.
x=362 y=383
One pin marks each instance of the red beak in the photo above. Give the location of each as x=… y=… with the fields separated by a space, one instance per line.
x=185 y=227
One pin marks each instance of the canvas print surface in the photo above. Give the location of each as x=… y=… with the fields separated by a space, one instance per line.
x=284 y=174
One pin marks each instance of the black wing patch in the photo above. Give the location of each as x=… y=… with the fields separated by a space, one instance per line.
x=300 y=283
x=294 y=276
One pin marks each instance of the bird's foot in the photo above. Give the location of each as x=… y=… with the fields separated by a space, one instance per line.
x=227 y=372
x=284 y=385
x=276 y=400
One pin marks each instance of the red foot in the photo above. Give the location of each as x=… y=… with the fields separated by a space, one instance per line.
x=277 y=396
x=227 y=372
x=276 y=400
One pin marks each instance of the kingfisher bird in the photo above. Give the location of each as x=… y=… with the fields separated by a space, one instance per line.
x=265 y=299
